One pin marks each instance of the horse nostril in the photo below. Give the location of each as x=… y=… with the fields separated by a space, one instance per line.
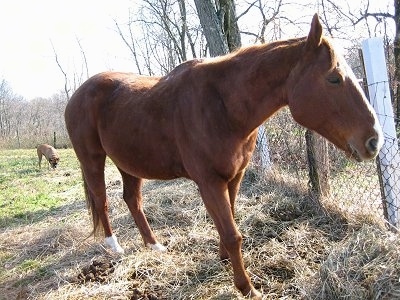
x=372 y=145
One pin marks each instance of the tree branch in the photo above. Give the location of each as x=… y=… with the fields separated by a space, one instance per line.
x=66 y=88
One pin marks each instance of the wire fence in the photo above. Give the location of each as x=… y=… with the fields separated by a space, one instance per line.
x=356 y=188
x=388 y=162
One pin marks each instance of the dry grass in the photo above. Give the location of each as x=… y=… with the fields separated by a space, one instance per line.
x=294 y=248
x=365 y=265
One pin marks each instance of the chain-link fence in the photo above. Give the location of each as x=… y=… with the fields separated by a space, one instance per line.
x=388 y=162
x=356 y=188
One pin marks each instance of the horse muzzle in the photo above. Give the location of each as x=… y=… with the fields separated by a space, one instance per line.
x=367 y=151
x=373 y=146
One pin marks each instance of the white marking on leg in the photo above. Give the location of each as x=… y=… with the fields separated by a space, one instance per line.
x=157 y=247
x=112 y=242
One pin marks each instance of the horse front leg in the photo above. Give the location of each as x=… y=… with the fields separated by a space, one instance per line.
x=133 y=198
x=215 y=195
x=233 y=188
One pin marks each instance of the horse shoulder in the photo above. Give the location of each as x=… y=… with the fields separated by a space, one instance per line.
x=211 y=142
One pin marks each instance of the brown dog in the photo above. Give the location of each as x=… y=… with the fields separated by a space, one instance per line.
x=50 y=153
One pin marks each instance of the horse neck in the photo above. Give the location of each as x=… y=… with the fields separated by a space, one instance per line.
x=254 y=82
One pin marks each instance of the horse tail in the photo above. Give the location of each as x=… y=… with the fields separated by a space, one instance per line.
x=91 y=206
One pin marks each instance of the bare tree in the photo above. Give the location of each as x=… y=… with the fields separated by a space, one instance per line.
x=85 y=63
x=130 y=41
x=211 y=19
x=161 y=34
x=5 y=98
x=185 y=28
x=269 y=12
x=67 y=87
x=26 y=123
x=338 y=17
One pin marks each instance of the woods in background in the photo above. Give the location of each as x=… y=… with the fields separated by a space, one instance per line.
x=160 y=34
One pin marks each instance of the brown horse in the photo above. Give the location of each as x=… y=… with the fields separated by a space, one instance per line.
x=200 y=122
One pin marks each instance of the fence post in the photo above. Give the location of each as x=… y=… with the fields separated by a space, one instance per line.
x=318 y=164
x=379 y=93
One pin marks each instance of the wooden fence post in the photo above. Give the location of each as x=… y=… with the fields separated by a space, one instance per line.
x=318 y=164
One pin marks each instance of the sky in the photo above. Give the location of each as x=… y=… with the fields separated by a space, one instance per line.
x=29 y=30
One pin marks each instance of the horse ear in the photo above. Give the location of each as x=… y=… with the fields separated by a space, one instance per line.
x=315 y=35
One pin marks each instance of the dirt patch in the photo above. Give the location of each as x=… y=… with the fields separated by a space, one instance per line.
x=101 y=270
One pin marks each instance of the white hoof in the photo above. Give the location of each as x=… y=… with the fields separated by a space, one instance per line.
x=157 y=247
x=112 y=242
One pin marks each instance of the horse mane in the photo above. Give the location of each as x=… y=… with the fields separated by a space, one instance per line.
x=256 y=54
x=253 y=52
x=262 y=53
x=257 y=51
x=249 y=59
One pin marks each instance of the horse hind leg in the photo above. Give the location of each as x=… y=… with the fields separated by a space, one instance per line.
x=96 y=199
x=133 y=198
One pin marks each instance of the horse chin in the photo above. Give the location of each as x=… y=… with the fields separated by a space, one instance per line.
x=353 y=153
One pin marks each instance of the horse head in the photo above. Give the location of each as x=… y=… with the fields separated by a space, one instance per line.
x=325 y=96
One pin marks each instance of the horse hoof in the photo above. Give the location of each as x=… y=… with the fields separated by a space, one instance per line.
x=111 y=241
x=255 y=295
x=119 y=250
x=157 y=247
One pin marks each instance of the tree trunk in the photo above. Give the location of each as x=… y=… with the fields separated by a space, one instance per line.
x=212 y=28
x=318 y=164
x=227 y=14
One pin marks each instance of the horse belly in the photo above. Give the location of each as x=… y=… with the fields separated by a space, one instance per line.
x=148 y=162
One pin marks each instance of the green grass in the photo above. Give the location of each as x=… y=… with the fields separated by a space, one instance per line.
x=29 y=264
x=27 y=193
x=29 y=196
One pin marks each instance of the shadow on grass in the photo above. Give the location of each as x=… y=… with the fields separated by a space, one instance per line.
x=26 y=218
x=39 y=261
x=290 y=204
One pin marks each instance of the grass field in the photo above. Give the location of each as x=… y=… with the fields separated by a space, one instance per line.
x=294 y=247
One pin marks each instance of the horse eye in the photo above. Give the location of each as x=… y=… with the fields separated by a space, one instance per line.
x=334 y=80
